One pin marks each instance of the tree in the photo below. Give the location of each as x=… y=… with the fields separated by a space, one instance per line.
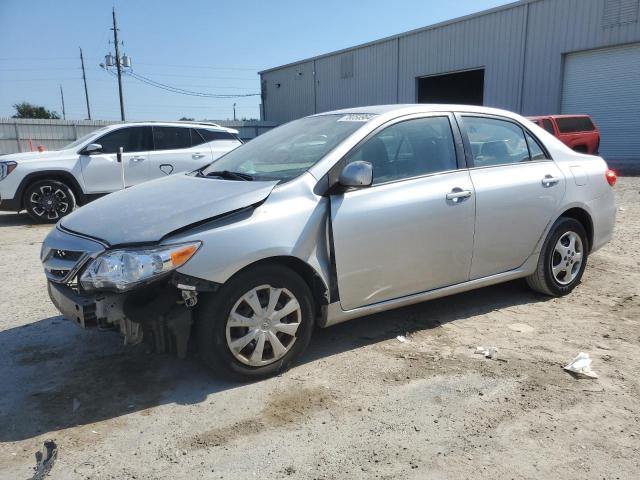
x=186 y=119
x=28 y=110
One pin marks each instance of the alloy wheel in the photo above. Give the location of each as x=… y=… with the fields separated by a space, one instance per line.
x=49 y=202
x=567 y=257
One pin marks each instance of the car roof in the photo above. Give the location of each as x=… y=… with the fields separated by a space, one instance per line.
x=205 y=125
x=410 y=108
x=537 y=117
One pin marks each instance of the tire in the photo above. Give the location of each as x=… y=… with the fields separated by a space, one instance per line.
x=47 y=201
x=215 y=335
x=558 y=274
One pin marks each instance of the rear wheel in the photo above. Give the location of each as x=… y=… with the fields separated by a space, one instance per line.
x=47 y=201
x=256 y=324
x=562 y=260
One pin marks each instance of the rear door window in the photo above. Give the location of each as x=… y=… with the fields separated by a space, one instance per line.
x=131 y=139
x=575 y=124
x=196 y=138
x=212 y=135
x=171 y=138
x=548 y=126
x=535 y=150
x=496 y=142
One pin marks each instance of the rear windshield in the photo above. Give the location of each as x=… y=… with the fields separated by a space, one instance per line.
x=575 y=124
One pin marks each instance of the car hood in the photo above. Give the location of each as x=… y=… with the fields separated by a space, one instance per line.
x=27 y=157
x=148 y=212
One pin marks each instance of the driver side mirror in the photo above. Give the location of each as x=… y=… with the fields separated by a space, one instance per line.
x=92 y=148
x=356 y=174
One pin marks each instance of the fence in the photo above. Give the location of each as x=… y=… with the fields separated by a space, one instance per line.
x=24 y=135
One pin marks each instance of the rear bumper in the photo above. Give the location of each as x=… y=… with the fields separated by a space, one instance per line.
x=603 y=210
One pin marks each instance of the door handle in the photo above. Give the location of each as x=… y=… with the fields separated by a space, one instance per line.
x=138 y=159
x=196 y=156
x=457 y=195
x=550 y=181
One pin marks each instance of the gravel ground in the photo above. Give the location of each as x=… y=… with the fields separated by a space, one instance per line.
x=360 y=404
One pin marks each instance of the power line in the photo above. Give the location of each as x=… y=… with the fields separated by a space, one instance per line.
x=210 y=67
x=182 y=91
x=253 y=77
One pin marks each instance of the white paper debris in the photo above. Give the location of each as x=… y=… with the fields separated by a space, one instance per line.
x=401 y=338
x=581 y=365
x=488 y=352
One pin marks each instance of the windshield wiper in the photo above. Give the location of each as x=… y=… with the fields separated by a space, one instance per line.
x=230 y=175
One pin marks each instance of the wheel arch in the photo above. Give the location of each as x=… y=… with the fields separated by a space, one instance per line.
x=59 y=175
x=582 y=216
x=312 y=278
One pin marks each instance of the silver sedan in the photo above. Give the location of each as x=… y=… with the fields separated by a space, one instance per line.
x=328 y=218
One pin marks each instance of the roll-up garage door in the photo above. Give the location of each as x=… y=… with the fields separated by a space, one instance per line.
x=605 y=84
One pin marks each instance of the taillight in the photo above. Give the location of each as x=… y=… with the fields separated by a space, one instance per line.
x=611 y=176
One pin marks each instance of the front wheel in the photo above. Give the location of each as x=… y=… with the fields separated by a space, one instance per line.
x=47 y=201
x=562 y=260
x=256 y=324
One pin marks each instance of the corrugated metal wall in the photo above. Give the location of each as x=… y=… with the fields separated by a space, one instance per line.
x=372 y=80
x=605 y=83
x=557 y=27
x=494 y=42
x=288 y=93
x=23 y=135
x=521 y=46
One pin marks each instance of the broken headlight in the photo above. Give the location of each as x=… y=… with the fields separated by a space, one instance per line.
x=122 y=270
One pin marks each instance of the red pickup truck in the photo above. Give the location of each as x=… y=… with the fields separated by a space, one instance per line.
x=576 y=131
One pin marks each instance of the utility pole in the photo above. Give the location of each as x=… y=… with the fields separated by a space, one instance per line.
x=86 y=91
x=118 y=64
x=234 y=112
x=64 y=114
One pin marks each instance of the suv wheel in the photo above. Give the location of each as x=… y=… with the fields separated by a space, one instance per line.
x=47 y=201
x=562 y=260
x=256 y=324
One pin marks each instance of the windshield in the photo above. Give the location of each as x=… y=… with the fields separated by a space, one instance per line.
x=288 y=151
x=84 y=138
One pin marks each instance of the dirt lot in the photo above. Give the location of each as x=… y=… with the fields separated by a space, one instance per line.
x=361 y=404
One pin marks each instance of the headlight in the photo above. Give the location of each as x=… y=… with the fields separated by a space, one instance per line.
x=124 y=269
x=6 y=168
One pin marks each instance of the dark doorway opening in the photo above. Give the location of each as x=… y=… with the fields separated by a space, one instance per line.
x=462 y=87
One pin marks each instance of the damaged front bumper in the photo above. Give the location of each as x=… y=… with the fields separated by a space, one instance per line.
x=160 y=314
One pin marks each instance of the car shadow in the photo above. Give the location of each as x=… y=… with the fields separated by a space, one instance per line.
x=54 y=375
x=8 y=219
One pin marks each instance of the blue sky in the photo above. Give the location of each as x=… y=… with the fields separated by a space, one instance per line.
x=202 y=45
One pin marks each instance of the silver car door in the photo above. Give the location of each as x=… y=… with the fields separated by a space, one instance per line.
x=518 y=190
x=412 y=230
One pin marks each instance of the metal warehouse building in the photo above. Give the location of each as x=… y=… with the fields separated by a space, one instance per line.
x=534 y=57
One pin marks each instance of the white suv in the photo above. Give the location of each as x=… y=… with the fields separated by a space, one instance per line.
x=49 y=185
